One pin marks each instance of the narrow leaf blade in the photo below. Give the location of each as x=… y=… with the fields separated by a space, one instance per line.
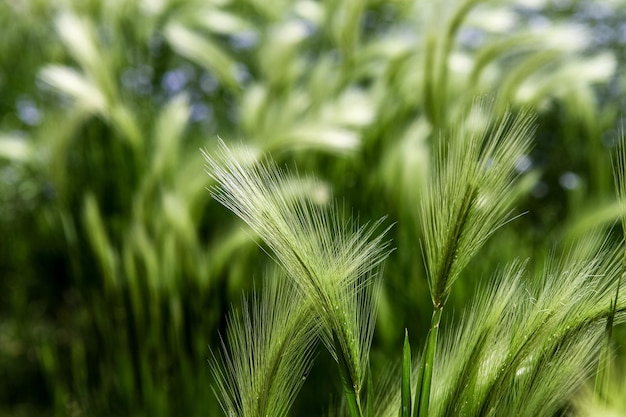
x=405 y=410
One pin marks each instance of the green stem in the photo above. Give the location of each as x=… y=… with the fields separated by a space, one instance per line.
x=349 y=386
x=603 y=374
x=422 y=394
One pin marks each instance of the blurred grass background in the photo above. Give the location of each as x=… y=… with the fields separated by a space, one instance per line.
x=116 y=268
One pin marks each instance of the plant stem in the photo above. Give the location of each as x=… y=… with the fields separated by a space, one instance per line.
x=349 y=386
x=422 y=393
x=603 y=375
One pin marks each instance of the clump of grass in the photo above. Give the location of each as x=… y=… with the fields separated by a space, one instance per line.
x=468 y=199
x=333 y=263
x=528 y=347
x=333 y=76
x=524 y=344
x=606 y=397
x=270 y=349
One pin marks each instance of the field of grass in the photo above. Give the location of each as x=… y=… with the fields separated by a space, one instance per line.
x=345 y=208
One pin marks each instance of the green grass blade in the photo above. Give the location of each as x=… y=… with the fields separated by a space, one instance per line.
x=422 y=394
x=405 y=410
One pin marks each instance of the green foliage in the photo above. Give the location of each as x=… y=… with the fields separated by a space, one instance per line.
x=529 y=349
x=471 y=192
x=523 y=345
x=271 y=352
x=116 y=266
x=332 y=263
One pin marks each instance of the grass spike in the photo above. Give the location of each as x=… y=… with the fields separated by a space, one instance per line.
x=268 y=350
x=471 y=192
x=469 y=197
x=334 y=263
x=528 y=347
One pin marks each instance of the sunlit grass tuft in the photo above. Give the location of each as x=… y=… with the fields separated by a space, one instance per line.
x=332 y=262
x=468 y=198
x=267 y=352
x=528 y=346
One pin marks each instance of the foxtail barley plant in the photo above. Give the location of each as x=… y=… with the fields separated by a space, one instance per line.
x=526 y=343
x=270 y=349
x=334 y=264
x=119 y=264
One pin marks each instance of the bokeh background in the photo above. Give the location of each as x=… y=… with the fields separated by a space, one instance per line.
x=117 y=269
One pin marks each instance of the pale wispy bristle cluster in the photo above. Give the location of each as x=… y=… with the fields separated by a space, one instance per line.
x=268 y=352
x=334 y=263
x=528 y=347
x=470 y=193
